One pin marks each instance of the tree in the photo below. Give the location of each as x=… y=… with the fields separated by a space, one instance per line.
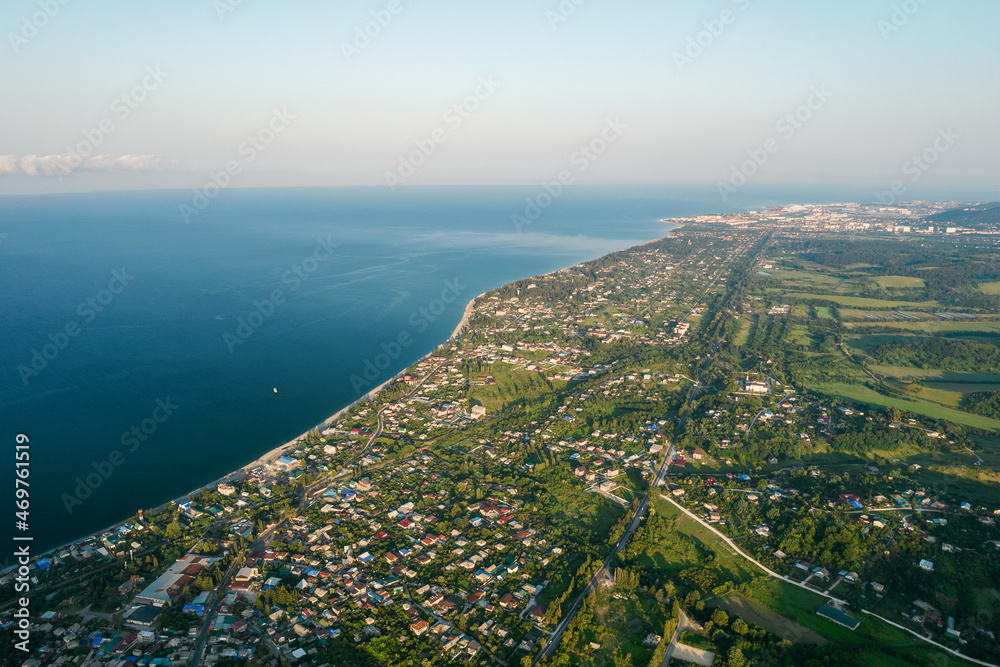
x=720 y=617
x=740 y=627
x=173 y=530
x=736 y=657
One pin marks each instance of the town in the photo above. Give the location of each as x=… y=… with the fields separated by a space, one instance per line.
x=715 y=447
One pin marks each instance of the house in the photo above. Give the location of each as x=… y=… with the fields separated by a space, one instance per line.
x=772 y=459
x=697 y=455
x=419 y=627
x=926 y=565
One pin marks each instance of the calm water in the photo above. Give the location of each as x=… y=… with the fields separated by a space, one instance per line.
x=183 y=330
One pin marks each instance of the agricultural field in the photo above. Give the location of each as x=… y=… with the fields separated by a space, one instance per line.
x=755 y=612
x=862 y=394
x=513 y=385
x=825 y=312
x=799 y=606
x=804 y=276
x=973 y=381
x=862 y=302
x=899 y=281
x=954 y=329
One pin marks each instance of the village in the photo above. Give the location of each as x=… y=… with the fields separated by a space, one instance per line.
x=453 y=515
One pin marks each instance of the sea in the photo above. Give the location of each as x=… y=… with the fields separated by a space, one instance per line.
x=146 y=352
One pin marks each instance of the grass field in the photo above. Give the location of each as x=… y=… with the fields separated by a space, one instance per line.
x=936 y=376
x=976 y=485
x=862 y=302
x=899 y=281
x=957 y=329
x=990 y=288
x=512 y=385
x=865 y=395
x=825 y=312
x=756 y=613
x=746 y=323
x=738 y=567
x=807 y=276
x=866 y=342
x=879 y=644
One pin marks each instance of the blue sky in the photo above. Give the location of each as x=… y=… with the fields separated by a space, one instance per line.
x=894 y=75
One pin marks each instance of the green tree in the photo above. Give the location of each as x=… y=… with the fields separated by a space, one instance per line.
x=173 y=530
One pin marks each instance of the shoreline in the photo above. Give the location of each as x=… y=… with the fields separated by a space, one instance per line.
x=278 y=451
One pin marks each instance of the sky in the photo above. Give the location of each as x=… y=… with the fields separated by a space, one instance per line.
x=102 y=95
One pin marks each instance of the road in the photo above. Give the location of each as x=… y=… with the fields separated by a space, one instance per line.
x=309 y=494
x=601 y=573
x=215 y=599
x=658 y=480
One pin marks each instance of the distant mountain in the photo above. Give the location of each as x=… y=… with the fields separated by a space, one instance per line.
x=973 y=216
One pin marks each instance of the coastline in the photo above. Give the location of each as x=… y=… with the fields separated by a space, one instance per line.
x=280 y=450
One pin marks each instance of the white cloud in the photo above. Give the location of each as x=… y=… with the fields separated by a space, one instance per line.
x=63 y=165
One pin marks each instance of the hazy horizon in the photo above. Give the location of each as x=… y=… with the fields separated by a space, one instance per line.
x=849 y=95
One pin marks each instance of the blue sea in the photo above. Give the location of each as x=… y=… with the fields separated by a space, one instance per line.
x=141 y=353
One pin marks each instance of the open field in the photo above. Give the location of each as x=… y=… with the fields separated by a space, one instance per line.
x=862 y=302
x=825 y=312
x=805 y=276
x=976 y=485
x=936 y=376
x=880 y=644
x=866 y=342
x=956 y=329
x=740 y=569
x=512 y=385
x=756 y=613
x=899 y=281
x=990 y=288
x=743 y=335
x=863 y=394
